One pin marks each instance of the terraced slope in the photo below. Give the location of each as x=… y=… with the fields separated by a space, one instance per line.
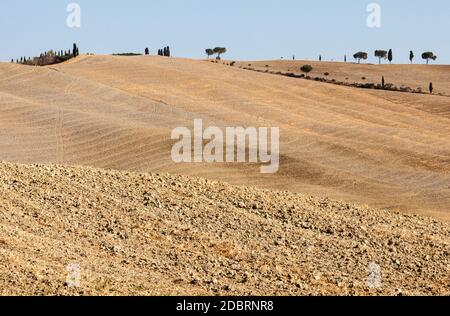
x=383 y=149
x=143 y=234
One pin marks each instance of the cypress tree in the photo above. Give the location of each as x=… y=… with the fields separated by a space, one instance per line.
x=390 y=57
x=75 y=50
x=382 y=82
x=431 y=87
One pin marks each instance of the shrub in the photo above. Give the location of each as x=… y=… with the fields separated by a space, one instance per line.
x=306 y=69
x=406 y=89
x=127 y=54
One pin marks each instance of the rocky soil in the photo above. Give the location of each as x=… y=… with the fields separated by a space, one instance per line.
x=149 y=234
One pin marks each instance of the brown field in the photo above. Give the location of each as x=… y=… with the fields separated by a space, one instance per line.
x=413 y=76
x=137 y=230
x=384 y=149
x=142 y=234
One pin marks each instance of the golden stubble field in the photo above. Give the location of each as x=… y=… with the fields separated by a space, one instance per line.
x=384 y=149
x=134 y=232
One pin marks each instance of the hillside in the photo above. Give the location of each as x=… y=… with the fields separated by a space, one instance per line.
x=413 y=76
x=384 y=149
x=133 y=233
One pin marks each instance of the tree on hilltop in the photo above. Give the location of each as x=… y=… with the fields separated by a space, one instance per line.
x=360 y=56
x=75 y=50
x=381 y=54
x=390 y=56
x=209 y=52
x=429 y=55
x=411 y=56
x=219 y=51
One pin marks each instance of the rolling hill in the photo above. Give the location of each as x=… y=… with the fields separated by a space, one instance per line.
x=87 y=180
x=384 y=149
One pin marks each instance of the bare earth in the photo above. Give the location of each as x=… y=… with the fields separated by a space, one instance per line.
x=135 y=232
x=168 y=235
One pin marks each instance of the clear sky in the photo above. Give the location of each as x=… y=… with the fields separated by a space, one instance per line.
x=250 y=29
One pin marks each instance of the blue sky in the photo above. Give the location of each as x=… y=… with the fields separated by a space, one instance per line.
x=250 y=29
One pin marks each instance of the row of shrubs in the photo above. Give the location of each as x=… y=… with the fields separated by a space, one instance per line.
x=127 y=54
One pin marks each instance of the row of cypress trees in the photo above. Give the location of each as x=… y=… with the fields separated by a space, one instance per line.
x=50 y=57
x=161 y=52
x=164 y=52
